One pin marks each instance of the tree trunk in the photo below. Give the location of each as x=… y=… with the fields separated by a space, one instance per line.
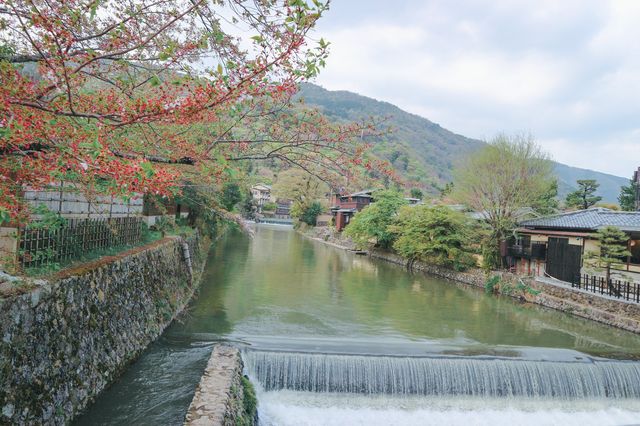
x=609 y=283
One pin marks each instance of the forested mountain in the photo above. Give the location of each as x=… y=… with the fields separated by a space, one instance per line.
x=423 y=151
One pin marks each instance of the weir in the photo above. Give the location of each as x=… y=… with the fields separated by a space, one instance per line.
x=443 y=375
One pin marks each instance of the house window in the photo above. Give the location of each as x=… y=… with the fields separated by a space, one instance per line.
x=524 y=241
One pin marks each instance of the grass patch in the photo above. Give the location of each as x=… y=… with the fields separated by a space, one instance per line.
x=250 y=403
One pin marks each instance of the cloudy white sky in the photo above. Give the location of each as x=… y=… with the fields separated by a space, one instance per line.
x=567 y=71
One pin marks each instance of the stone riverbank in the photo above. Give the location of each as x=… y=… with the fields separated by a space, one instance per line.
x=66 y=340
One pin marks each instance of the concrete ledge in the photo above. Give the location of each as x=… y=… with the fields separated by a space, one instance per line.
x=221 y=393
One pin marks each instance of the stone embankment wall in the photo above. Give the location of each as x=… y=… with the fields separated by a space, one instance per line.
x=223 y=396
x=618 y=313
x=558 y=296
x=327 y=235
x=65 y=341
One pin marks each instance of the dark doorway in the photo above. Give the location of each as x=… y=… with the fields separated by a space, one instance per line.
x=563 y=259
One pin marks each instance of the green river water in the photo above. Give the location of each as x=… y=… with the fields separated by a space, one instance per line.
x=281 y=291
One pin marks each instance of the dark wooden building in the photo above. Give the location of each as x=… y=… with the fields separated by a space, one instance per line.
x=344 y=207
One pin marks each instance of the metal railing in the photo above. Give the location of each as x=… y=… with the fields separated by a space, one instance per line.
x=619 y=289
x=74 y=238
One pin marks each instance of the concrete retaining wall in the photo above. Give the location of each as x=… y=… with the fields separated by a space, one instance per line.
x=64 y=342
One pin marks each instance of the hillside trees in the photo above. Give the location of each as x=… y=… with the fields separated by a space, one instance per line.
x=547 y=203
x=104 y=92
x=510 y=173
x=584 y=197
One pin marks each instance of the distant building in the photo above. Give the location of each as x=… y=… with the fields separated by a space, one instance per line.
x=283 y=208
x=344 y=207
x=153 y=209
x=261 y=193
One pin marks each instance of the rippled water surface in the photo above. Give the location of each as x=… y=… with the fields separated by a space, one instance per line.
x=283 y=292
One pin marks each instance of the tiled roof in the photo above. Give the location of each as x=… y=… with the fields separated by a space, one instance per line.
x=520 y=213
x=365 y=193
x=591 y=219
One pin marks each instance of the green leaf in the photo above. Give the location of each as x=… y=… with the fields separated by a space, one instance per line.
x=147 y=168
x=94 y=9
x=4 y=216
x=154 y=81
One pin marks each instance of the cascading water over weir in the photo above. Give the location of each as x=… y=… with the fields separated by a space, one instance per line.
x=443 y=375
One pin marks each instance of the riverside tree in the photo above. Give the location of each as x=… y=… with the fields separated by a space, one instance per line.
x=584 y=197
x=101 y=92
x=311 y=212
x=416 y=193
x=303 y=188
x=372 y=222
x=510 y=173
x=437 y=235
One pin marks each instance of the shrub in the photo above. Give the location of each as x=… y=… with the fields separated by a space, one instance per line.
x=310 y=213
x=372 y=223
x=437 y=235
x=269 y=207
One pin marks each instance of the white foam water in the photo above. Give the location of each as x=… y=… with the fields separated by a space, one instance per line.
x=284 y=408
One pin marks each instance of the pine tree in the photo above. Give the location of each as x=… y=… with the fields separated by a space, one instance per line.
x=613 y=248
x=584 y=197
x=628 y=197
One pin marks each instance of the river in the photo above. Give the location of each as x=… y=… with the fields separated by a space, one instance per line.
x=332 y=338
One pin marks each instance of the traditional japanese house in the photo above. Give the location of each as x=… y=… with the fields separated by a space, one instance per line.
x=555 y=245
x=344 y=207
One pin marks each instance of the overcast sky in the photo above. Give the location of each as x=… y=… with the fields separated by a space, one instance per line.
x=567 y=71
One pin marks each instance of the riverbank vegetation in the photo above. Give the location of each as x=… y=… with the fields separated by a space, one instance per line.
x=510 y=174
x=433 y=234
x=372 y=224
